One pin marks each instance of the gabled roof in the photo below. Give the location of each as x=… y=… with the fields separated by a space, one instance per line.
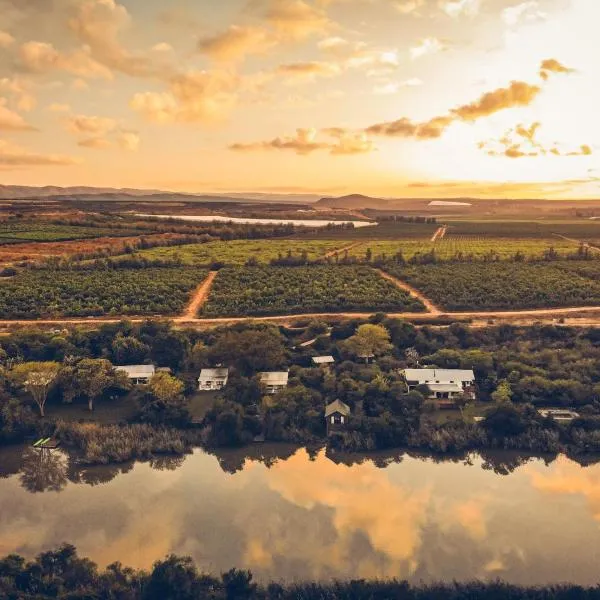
x=221 y=373
x=445 y=387
x=323 y=360
x=441 y=375
x=137 y=371
x=337 y=406
x=274 y=377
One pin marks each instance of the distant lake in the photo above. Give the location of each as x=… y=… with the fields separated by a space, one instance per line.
x=288 y=515
x=296 y=222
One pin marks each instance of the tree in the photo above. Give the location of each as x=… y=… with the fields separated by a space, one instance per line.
x=368 y=341
x=250 y=350
x=94 y=376
x=36 y=378
x=129 y=350
x=165 y=387
x=503 y=392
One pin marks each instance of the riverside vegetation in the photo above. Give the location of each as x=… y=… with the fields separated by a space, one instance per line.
x=518 y=370
x=62 y=574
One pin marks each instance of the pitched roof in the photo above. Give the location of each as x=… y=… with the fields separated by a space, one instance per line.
x=445 y=387
x=137 y=371
x=221 y=373
x=439 y=375
x=323 y=360
x=337 y=406
x=274 y=377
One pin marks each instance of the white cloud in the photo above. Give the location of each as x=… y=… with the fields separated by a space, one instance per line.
x=408 y=6
x=394 y=87
x=525 y=12
x=459 y=8
x=162 y=47
x=427 y=46
x=10 y=120
x=12 y=157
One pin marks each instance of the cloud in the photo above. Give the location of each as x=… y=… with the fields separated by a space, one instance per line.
x=42 y=57
x=460 y=8
x=551 y=65
x=12 y=121
x=6 y=40
x=521 y=142
x=305 y=142
x=12 y=156
x=193 y=97
x=21 y=91
x=162 y=47
x=296 y=19
x=81 y=124
x=102 y=133
x=408 y=6
x=517 y=94
x=59 y=108
x=427 y=46
x=394 y=87
x=525 y=12
x=308 y=71
x=428 y=130
x=237 y=42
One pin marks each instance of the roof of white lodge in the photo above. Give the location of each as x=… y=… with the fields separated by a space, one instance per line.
x=439 y=375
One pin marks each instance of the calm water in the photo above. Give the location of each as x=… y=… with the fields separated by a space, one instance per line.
x=285 y=516
x=296 y=222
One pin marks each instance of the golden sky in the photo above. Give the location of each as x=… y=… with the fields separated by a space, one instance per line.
x=421 y=98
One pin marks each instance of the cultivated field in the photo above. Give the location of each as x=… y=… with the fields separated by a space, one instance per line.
x=14 y=233
x=98 y=292
x=239 y=252
x=320 y=288
x=505 y=285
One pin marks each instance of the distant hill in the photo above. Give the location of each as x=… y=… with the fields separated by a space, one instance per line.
x=11 y=192
x=353 y=201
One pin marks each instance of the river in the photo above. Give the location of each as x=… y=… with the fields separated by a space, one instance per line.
x=288 y=515
x=295 y=222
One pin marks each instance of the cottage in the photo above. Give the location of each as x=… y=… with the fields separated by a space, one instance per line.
x=274 y=381
x=444 y=384
x=560 y=415
x=213 y=379
x=337 y=414
x=137 y=374
x=323 y=361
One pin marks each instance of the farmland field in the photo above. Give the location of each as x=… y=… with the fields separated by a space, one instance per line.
x=322 y=288
x=465 y=246
x=387 y=230
x=505 y=285
x=14 y=233
x=581 y=230
x=238 y=252
x=98 y=292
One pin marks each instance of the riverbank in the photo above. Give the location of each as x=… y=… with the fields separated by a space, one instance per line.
x=61 y=573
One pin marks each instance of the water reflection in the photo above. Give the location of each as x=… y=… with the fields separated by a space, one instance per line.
x=287 y=513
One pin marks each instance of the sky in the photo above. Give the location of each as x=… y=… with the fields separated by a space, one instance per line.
x=394 y=98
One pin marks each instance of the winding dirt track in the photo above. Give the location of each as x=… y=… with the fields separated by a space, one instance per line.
x=338 y=251
x=432 y=309
x=586 y=244
x=198 y=299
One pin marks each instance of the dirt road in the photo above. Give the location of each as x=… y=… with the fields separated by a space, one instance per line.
x=198 y=299
x=580 y=242
x=432 y=309
x=340 y=251
x=440 y=233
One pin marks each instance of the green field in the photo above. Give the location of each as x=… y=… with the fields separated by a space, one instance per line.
x=506 y=285
x=463 y=247
x=238 y=252
x=98 y=292
x=387 y=230
x=296 y=290
x=14 y=233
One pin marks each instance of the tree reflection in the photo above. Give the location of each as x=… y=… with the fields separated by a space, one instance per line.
x=44 y=470
x=234 y=460
x=167 y=462
x=97 y=475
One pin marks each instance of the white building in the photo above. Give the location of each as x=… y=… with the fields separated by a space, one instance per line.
x=323 y=361
x=560 y=415
x=443 y=383
x=213 y=379
x=274 y=381
x=137 y=374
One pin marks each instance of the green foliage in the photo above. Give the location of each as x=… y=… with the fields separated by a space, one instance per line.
x=503 y=285
x=52 y=293
x=317 y=288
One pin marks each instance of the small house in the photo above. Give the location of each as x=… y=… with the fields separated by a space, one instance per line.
x=560 y=415
x=443 y=384
x=324 y=362
x=213 y=379
x=137 y=374
x=274 y=381
x=337 y=414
